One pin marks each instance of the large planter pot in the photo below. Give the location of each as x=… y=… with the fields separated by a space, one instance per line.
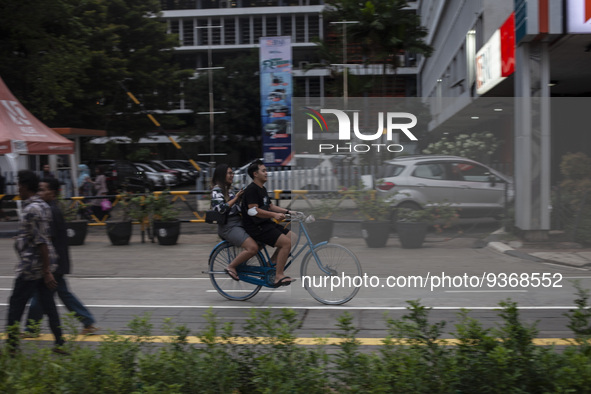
x=320 y=230
x=167 y=232
x=119 y=232
x=76 y=232
x=375 y=233
x=411 y=235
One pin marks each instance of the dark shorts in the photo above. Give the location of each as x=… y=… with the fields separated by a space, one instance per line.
x=267 y=233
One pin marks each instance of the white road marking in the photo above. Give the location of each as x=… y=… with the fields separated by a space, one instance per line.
x=247 y=291
x=486 y=291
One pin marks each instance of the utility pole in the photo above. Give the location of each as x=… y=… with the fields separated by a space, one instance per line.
x=211 y=111
x=345 y=69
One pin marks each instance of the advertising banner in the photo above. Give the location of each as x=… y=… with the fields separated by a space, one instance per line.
x=578 y=16
x=276 y=94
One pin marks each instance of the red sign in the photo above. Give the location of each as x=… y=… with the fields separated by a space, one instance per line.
x=508 y=46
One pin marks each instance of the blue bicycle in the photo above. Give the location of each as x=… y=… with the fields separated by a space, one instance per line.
x=328 y=270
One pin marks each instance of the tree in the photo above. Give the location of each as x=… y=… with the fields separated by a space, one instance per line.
x=236 y=91
x=64 y=60
x=43 y=53
x=385 y=29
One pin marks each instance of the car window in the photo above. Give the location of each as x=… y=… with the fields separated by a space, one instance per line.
x=429 y=171
x=470 y=172
x=390 y=170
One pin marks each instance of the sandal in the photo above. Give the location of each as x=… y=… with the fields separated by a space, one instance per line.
x=285 y=281
x=232 y=274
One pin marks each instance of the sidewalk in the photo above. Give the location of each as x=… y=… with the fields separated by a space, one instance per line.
x=555 y=250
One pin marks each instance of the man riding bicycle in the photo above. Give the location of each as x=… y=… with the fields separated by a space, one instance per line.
x=258 y=224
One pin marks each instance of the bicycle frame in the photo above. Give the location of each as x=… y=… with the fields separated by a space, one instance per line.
x=264 y=276
x=329 y=260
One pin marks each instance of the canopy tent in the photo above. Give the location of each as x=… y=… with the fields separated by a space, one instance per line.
x=21 y=132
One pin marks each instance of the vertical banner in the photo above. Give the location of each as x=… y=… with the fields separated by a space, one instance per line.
x=276 y=94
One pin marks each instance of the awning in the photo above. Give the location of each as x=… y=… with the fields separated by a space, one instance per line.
x=21 y=132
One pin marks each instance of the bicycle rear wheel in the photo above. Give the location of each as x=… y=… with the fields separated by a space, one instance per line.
x=330 y=280
x=222 y=282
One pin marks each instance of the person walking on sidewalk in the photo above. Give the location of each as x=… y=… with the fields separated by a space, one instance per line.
x=35 y=266
x=49 y=191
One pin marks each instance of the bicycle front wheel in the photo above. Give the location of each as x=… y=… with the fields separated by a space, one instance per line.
x=222 y=282
x=331 y=277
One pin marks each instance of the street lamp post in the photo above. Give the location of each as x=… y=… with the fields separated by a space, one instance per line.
x=345 y=70
x=211 y=112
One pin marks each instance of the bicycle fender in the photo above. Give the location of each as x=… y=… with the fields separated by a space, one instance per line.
x=216 y=247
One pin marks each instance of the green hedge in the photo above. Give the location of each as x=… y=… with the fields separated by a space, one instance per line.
x=497 y=360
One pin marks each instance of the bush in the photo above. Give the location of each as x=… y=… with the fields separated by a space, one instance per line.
x=477 y=146
x=267 y=359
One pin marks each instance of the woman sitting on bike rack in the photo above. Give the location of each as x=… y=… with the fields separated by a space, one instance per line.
x=225 y=200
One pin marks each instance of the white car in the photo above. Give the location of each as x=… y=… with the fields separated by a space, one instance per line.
x=474 y=188
x=164 y=180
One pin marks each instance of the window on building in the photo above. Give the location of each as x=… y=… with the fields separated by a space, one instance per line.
x=244 y=30
x=286 y=26
x=257 y=22
x=188 y=32
x=229 y=31
x=313 y=27
x=271 y=26
x=300 y=24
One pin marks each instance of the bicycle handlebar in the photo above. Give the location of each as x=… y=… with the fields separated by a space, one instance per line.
x=301 y=217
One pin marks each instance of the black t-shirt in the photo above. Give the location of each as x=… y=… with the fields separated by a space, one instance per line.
x=59 y=239
x=253 y=194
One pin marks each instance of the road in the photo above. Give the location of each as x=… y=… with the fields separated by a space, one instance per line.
x=118 y=282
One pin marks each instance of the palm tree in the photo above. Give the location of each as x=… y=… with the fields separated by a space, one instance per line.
x=384 y=29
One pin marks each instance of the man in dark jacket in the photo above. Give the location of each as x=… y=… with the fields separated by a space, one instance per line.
x=49 y=190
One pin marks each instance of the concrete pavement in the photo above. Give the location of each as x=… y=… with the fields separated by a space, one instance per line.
x=568 y=254
x=118 y=282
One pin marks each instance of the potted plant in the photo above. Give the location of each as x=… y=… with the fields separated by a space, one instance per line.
x=165 y=221
x=140 y=210
x=119 y=226
x=412 y=224
x=375 y=211
x=76 y=229
x=322 y=228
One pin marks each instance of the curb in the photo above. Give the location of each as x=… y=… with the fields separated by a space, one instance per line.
x=506 y=249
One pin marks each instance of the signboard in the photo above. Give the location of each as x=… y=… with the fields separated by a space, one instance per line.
x=508 y=46
x=495 y=61
x=578 y=16
x=276 y=93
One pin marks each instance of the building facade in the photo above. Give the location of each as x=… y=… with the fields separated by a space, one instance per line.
x=237 y=26
x=530 y=95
